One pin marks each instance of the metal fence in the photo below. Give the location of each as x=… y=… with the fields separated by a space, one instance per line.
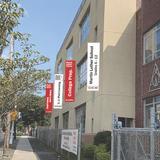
x=135 y=144
x=52 y=138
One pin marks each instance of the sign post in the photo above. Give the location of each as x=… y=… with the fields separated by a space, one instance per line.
x=11 y=133
x=13 y=117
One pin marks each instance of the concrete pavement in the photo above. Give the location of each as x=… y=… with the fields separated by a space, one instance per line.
x=29 y=148
x=24 y=150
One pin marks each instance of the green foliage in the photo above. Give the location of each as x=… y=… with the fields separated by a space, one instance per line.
x=88 y=151
x=20 y=126
x=102 y=156
x=103 y=138
x=10 y=13
x=19 y=134
x=32 y=109
x=21 y=75
x=101 y=148
x=101 y=153
x=93 y=152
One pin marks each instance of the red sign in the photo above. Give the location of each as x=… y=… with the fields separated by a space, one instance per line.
x=70 y=73
x=49 y=97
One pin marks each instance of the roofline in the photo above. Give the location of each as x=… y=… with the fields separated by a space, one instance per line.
x=71 y=26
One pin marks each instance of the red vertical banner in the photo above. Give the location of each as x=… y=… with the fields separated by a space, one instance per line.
x=70 y=75
x=49 y=98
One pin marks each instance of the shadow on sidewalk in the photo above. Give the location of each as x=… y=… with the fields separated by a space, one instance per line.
x=41 y=150
x=10 y=151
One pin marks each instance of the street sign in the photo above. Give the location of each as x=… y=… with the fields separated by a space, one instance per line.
x=13 y=115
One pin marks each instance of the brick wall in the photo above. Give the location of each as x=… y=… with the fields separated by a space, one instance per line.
x=147 y=16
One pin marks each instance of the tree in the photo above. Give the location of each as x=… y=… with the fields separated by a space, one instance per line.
x=10 y=12
x=22 y=74
x=32 y=109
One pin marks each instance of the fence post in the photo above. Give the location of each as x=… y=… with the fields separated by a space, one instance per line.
x=118 y=146
x=112 y=143
x=79 y=142
x=136 y=145
x=152 y=144
x=57 y=142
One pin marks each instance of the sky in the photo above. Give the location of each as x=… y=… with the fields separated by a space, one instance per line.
x=48 y=22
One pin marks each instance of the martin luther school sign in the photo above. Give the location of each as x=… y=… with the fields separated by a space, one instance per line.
x=93 y=57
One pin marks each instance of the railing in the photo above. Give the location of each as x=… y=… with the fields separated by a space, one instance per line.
x=135 y=144
x=52 y=138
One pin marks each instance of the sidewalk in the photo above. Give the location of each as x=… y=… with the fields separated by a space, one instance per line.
x=24 y=150
x=29 y=148
x=42 y=151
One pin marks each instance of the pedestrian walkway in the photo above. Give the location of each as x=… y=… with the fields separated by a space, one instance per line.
x=42 y=151
x=24 y=150
x=29 y=148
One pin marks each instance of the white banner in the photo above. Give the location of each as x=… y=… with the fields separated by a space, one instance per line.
x=93 y=66
x=58 y=91
x=69 y=140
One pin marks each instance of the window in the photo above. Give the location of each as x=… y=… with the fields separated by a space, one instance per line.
x=59 y=68
x=126 y=122
x=80 y=117
x=85 y=27
x=65 y=120
x=152 y=112
x=70 y=51
x=152 y=44
x=56 y=122
x=82 y=73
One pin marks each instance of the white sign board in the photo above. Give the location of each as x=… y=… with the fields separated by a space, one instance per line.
x=69 y=140
x=93 y=59
x=58 y=91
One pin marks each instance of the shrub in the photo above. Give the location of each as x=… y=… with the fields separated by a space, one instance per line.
x=19 y=134
x=103 y=138
x=101 y=148
x=102 y=156
x=89 y=151
x=101 y=153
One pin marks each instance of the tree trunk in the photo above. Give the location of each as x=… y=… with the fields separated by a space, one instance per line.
x=6 y=133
